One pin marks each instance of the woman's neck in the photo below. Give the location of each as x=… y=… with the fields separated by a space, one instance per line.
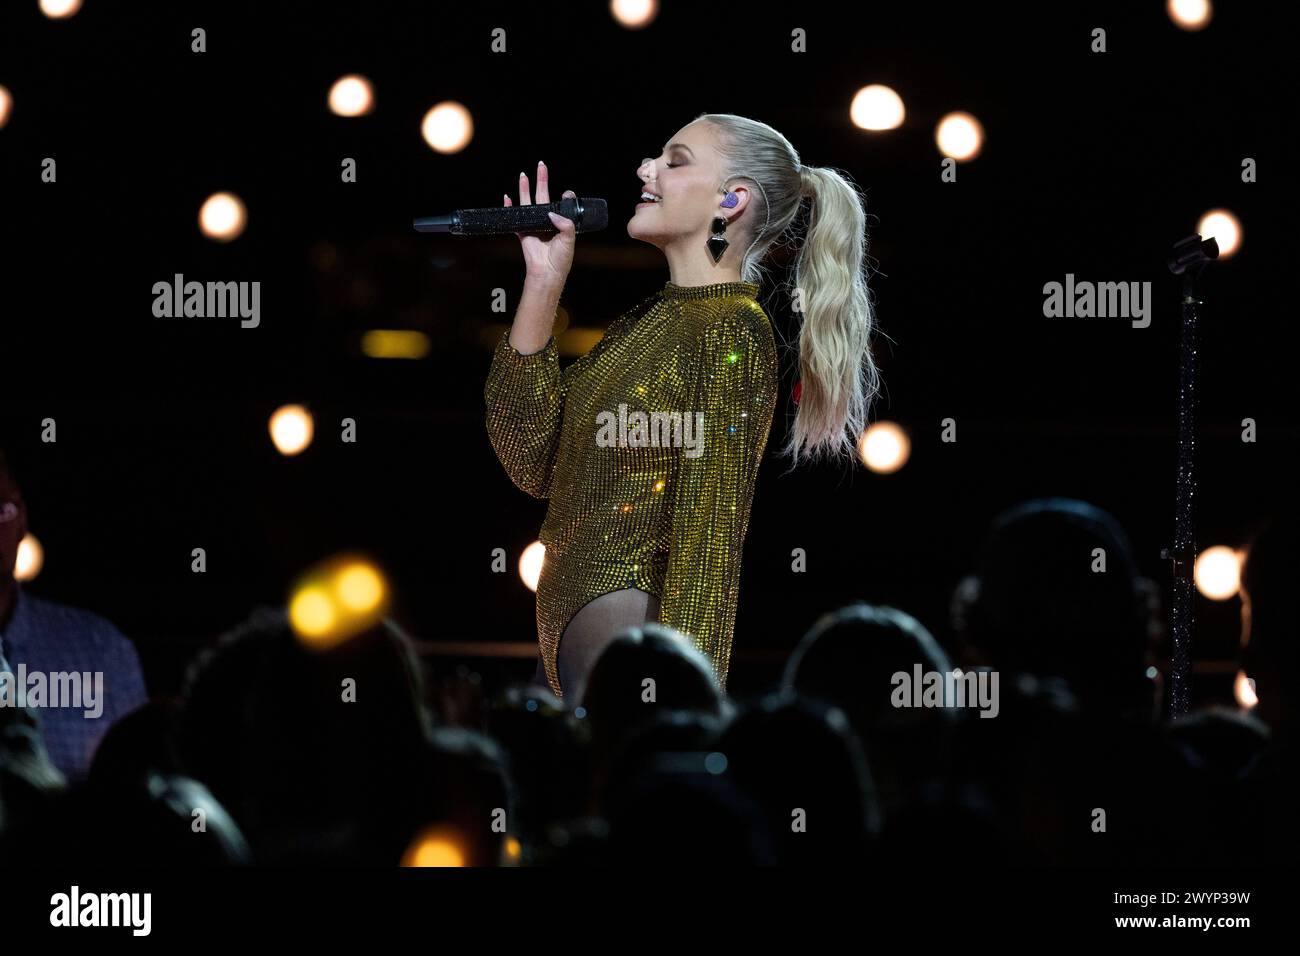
x=692 y=267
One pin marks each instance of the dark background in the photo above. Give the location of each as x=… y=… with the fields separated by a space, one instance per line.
x=1094 y=164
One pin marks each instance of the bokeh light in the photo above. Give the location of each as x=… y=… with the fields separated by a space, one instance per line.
x=1218 y=572
x=435 y=846
x=337 y=599
x=1224 y=228
x=395 y=344
x=1190 y=14
x=1243 y=688
x=291 y=428
x=351 y=95
x=877 y=107
x=59 y=9
x=359 y=587
x=31 y=558
x=447 y=127
x=960 y=136
x=634 y=14
x=530 y=564
x=884 y=447
x=222 y=217
x=6 y=105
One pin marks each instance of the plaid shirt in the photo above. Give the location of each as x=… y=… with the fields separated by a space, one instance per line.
x=50 y=638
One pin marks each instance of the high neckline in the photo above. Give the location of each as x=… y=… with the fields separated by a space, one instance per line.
x=714 y=290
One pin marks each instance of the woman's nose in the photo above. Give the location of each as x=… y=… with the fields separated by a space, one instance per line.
x=647 y=170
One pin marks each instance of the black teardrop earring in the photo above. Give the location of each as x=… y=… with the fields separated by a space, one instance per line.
x=718 y=241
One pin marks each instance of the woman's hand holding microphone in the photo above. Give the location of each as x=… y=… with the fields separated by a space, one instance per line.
x=547 y=260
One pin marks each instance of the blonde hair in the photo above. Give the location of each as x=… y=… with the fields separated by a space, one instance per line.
x=837 y=372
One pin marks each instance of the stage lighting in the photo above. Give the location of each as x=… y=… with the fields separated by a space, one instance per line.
x=359 y=587
x=1218 y=572
x=31 y=558
x=447 y=127
x=395 y=344
x=291 y=428
x=222 y=217
x=6 y=104
x=311 y=612
x=1224 y=228
x=59 y=9
x=530 y=564
x=337 y=599
x=884 y=447
x=877 y=107
x=959 y=136
x=1190 y=14
x=1243 y=688
x=634 y=14
x=435 y=846
x=351 y=95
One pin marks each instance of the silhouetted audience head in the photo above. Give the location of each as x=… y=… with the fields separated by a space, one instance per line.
x=849 y=658
x=156 y=820
x=28 y=780
x=547 y=749
x=1057 y=592
x=468 y=801
x=1271 y=621
x=138 y=744
x=801 y=760
x=646 y=670
x=299 y=743
x=680 y=810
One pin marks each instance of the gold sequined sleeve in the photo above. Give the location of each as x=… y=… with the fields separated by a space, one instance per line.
x=735 y=388
x=525 y=401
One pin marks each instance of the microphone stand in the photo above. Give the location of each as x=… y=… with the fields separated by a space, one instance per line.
x=1188 y=258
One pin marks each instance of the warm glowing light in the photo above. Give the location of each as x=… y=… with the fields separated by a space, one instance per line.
x=31 y=558
x=1225 y=228
x=877 y=107
x=395 y=344
x=884 y=447
x=311 y=612
x=530 y=564
x=291 y=429
x=959 y=136
x=447 y=127
x=634 y=14
x=434 y=847
x=1190 y=14
x=359 y=588
x=1218 y=572
x=6 y=105
x=513 y=848
x=60 y=9
x=351 y=95
x=1243 y=688
x=337 y=599
x=223 y=217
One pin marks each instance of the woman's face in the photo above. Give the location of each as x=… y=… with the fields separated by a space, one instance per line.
x=686 y=175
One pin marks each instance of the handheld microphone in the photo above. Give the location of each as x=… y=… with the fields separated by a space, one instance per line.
x=588 y=215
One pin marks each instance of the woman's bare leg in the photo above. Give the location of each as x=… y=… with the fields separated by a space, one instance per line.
x=593 y=628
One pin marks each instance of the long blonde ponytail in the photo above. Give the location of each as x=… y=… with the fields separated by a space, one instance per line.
x=837 y=373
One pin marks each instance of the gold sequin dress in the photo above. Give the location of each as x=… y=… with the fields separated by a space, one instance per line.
x=661 y=508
